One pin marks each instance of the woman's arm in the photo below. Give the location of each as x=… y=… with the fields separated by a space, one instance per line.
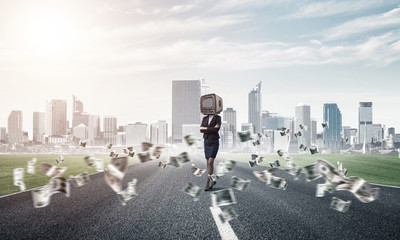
x=203 y=127
x=216 y=128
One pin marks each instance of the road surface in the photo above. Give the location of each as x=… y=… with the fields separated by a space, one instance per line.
x=163 y=211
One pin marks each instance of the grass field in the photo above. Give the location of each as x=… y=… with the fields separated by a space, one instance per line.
x=75 y=165
x=381 y=169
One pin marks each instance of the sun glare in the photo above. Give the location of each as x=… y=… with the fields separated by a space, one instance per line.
x=46 y=32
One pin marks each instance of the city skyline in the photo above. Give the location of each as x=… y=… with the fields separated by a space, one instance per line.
x=120 y=57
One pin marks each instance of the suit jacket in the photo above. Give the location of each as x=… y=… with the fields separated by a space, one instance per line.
x=211 y=131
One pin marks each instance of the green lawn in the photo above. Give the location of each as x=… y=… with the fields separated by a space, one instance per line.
x=75 y=164
x=381 y=169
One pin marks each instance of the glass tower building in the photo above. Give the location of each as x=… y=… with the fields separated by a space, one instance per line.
x=255 y=108
x=332 y=133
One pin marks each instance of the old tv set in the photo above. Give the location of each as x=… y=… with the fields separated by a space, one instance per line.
x=211 y=104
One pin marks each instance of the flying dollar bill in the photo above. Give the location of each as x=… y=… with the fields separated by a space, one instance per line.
x=339 y=205
x=60 y=159
x=325 y=187
x=252 y=163
x=223 y=198
x=313 y=150
x=227 y=215
x=197 y=171
x=41 y=196
x=257 y=142
x=82 y=143
x=144 y=157
x=193 y=141
x=224 y=167
x=178 y=161
x=52 y=171
x=292 y=168
x=93 y=161
x=214 y=177
x=280 y=153
x=129 y=192
x=81 y=179
x=192 y=190
x=31 y=166
x=275 y=164
x=113 y=154
x=19 y=178
x=277 y=182
x=109 y=145
x=157 y=151
x=162 y=165
x=312 y=172
x=266 y=174
x=360 y=188
x=259 y=160
x=239 y=184
x=244 y=136
x=146 y=146
x=329 y=172
x=115 y=172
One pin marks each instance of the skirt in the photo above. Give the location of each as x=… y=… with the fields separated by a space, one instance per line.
x=211 y=146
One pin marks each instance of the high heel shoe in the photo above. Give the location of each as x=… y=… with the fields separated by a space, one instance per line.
x=215 y=182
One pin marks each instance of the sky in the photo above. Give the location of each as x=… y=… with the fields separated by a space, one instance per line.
x=120 y=57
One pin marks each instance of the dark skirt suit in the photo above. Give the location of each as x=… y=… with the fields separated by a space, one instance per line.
x=211 y=136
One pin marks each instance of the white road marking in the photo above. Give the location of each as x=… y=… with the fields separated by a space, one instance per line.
x=225 y=229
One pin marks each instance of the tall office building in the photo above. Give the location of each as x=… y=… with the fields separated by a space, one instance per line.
x=3 y=134
x=159 y=132
x=15 y=133
x=77 y=105
x=153 y=133
x=78 y=116
x=255 y=107
x=303 y=116
x=274 y=122
x=264 y=116
x=332 y=133
x=80 y=132
x=39 y=126
x=136 y=133
x=93 y=128
x=186 y=104
x=313 y=131
x=229 y=115
x=391 y=131
x=365 y=122
x=377 y=132
x=56 y=117
x=110 y=128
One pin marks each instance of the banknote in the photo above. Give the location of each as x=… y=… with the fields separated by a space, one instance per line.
x=360 y=188
x=275 y=164
x=280 y=153
x=244 y=136
x=266 y=174
x=192 y=190
x=144 y=157
x=31 y=167
x=60 y=159
x=223 y=198
x=193 y=141
x=82 y=143
x=227 y=215
x=109 y=145
x=81 y=179
x=314 y=150
x=113 y=154
x=339 y=205
x=257 y=142
x=146 y=146
x=93 y=161
x=157 y=151
x=252 y=163
x=239 y=184
x=224 y=167
x=52 y=171
x=115 y=172
x=129 y=192
x=292 y=168
x=59 y=185
x=177 y=161
x=197 y=171
x=277 y=182
x=259 y=160
x=254 y=156
x=19 y=178
x=312 y=172
x=41 y=196
x=329 y=172
x=214 y=177
x=162 y=165
x=324 y=125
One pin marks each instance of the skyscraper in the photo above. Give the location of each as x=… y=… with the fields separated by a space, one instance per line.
x=56 y=117
x=159 y=132
x=186 y=104
x=391 y=131
x=255 y=107
x=136 y=133
x=110 y=128
x=229 y=115
x=77 y=105
x=303 y=116
x=3 y=134
x=365 y=122
x=313 y=131
x=332 y=133
x=93 y=128
x=78 y=116
x=39 y=126
x=15 y=133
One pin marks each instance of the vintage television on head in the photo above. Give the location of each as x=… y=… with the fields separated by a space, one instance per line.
x=210 y=104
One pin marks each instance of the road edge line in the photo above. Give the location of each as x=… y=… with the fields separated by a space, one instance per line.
x=225 y=230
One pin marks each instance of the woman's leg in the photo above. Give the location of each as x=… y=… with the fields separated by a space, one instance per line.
x=210 y=169
x=208 y=177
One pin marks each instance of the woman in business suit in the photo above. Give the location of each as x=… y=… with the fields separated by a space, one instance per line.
x=210 y=127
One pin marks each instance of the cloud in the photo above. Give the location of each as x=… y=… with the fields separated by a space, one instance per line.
x=181 y=8
x=364 y=24
x=334 y=7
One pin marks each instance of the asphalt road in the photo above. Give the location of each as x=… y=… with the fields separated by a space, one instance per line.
x=163 y=211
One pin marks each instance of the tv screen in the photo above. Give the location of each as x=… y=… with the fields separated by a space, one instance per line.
x=210 y=104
